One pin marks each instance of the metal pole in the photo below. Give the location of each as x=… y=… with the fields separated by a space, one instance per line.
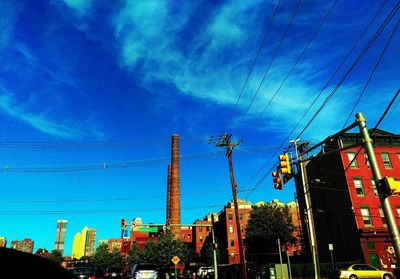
x=387 y=209
x=280 y=258
x=238 y=228
x=288 y=260
x=333 y=264
x=310 y=217
x=214 y=249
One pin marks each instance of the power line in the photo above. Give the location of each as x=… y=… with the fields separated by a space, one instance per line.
x=372 y=72
x=252 y=66
x=357 y=60
x=271 y=62
x=293 y=66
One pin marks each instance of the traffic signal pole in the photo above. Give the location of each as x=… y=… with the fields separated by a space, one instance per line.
x=385 y=203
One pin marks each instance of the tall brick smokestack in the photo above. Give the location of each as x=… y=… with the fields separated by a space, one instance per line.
x=175 y=200
x=169 y=195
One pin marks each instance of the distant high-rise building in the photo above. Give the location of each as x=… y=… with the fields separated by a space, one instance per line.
x=25 y=245
x=3 y=241
x=60 y=235
x=84 y=242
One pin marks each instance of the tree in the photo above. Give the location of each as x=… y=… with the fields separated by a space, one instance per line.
x=161 y=252
x=267 y=224
x=41 y=251
x=56 y=256
x=103 y=259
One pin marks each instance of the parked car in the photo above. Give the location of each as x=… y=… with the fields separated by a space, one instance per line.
x=115 y=273
x=356 y=271
x=144 y=271
x=83 y=272
x=204 y=271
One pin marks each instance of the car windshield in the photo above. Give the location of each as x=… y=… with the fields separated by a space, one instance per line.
x=84 y=271
x=146 y=267
x=113 y=269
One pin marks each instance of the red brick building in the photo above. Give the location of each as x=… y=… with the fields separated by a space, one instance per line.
x=202 y=230
x=25 y=245
x=346 y=206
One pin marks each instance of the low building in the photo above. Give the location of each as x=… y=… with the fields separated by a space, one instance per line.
x=25 y=245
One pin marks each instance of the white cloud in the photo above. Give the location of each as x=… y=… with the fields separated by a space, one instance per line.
x=39 y=122
x=80 y=6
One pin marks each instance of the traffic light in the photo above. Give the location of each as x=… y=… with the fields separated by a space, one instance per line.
x=123 y=224
x=284 y=164
x=277 y=180
x=390 y=186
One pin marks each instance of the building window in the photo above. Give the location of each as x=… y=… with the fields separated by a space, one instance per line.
x=232 y=256
x=398 y=211
x=208 y=229
x=382 y=216
x=240 y=216
x=366 y=216
x=386 y=160
x=374 y=187
x=232 y=242
x=200 y=229
x=231 y=229
x=366 y=160
x=201 y=239
x=351 y=155
x=189 y=235
x=183 y=236
x=359 y=186
x=230 y=216
x=398 y=156
x=370 y=245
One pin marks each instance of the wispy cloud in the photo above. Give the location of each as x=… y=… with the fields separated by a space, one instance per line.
x=39 y=122
x=80 y=6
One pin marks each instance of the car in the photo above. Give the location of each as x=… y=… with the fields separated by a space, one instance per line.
x=204 y=271
x=356 y=271
x=115 y=273
x=83 y=272
x=144 y=271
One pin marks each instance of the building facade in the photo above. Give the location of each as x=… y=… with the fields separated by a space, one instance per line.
x=61 y=230
x=25 y=245
x=345 y=201
x=84 y=242
x=3 y=241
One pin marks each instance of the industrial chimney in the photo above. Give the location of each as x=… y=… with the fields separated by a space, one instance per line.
x=175 y=196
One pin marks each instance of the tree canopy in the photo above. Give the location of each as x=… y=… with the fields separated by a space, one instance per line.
x=268 y=223
x=103 y=259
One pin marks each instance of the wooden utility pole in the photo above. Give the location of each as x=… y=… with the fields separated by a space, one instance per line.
x=225 y=141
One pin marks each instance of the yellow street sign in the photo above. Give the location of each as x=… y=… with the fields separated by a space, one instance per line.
x=175 y=260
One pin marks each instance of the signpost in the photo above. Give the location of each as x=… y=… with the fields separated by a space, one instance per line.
x=175 y=260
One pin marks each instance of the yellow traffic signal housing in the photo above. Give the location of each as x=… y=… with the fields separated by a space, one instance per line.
x=284 y=164
x=277 y=180
x=390 y=185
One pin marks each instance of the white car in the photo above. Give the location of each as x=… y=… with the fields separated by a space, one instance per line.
x=204 y=271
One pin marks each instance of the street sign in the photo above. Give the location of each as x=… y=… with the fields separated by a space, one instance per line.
x=330 y=246
x=148 y=229
x=175 y=260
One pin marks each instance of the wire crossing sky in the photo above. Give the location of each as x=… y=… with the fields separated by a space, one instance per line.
x=91 y=92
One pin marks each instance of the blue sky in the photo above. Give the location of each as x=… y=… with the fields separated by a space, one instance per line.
x=130 y=74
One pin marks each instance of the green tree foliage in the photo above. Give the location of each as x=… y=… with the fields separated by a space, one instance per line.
x=56 y=256
x=103 y=259
x=160 y=252
x=41 y=251
x=267 y=223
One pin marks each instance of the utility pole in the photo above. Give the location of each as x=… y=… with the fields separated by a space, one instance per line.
x=214 y=249
x=310 y=215
x=225 y=141
x=385 y=203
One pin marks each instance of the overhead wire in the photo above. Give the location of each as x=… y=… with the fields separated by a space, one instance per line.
x=355 y=62
x=372 y=72
x=299 y=57
x=271 y=62
x=267 y=30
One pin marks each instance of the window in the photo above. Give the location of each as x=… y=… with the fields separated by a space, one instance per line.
x=232 y=242
x=200 y=229
x=382 y=216
x=370 y=245
x=240 y=216
x=359 y=186
x=189 y=235
x=386 y=160
x=201 y=239
x=351 y=155
x=398 y=156
x=374 y=187
x=366 y=160
x=232 y=255
x=231 y=229
x=230 y=216
x=208 y=229
x=398 y=211
x=366 y=216
x=183 y=236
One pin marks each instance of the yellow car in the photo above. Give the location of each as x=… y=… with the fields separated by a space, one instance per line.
x=364 y=271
